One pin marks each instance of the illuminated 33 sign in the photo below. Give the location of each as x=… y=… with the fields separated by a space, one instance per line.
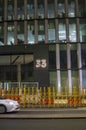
x=41 y=63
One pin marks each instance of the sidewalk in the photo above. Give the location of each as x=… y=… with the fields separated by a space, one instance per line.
x=46 y=113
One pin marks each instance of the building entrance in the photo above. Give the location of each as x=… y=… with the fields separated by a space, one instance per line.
x=16 y=68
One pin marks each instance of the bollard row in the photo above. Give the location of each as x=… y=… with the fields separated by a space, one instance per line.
x=44 y=97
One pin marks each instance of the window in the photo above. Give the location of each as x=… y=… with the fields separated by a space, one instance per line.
x=74 y=63
x=53 y=79
x=30 y=9
x=71 y=8
x=84 y=78
x=20 y=9
x=72 y=30
x=62 y=31
x=1 y=10
x=61 y=8
x=20 y=33
x=83 y=55
x=10 y=9
x=64 y=80
x=10 y=33
x=50 y=9
x=1 y=34
x=82 y=30
x=41 y=31
x=82 y=8
x=51 y=31
x=52 y=60
x=63 y=57
x=75 y=78
x=40 y=8
x=31 y=32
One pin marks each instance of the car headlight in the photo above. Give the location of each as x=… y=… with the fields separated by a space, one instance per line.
x=11 y=103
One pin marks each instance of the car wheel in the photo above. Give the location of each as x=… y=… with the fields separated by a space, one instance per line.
x=2 y=109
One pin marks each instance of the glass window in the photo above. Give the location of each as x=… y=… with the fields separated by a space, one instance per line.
x=20 y=33
x=53 y=79
x=82 y=30
x=31 y=32
x=64 y=79
x=41 y=31
x=40 y=8
x=10 y=9
x=30 y=9
x=62 y=31
x=61 y=8
x=10 y=33
x=51 y=31
x=71 y=8
x=50 y=9
x=1 y=10
x=72 y=30
x=75 y=78
x=82 y=8
x=1 y=34
x=74 y=63
x=52 y=60
x=63 y=57
x=20 y=9
x=83 y=55
x=84 y=78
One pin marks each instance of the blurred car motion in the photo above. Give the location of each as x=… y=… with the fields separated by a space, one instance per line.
x=8 y=105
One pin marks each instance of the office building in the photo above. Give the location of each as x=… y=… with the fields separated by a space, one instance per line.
x=43 y=41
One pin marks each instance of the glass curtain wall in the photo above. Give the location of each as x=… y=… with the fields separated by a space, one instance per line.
x=20 y=9
x=1 y=34
x=1 y=10
x=74 y=65
x=82 y=23
x=41 y=31
x=61 y=8
x=31 y=32
x=20 y=33
x=71 y=8
x=52 y=65
x=82 y=8
x=72 y=30
x=10 y=33
x=51 y=12
x=51 y=31
x=83 y=55
x=10 y=10
x=40 y=9
x=30 y=9
x=62 y=30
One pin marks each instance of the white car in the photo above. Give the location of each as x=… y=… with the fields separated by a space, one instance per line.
x=8 y=105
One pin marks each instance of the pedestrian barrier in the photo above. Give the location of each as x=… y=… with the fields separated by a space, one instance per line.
x=44 y=97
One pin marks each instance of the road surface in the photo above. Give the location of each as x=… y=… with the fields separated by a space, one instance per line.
x=42 y=124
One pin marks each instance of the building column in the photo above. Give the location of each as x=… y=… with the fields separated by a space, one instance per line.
x=68 y=57
x=58 y=82
x=79 y=65
x=69 y=68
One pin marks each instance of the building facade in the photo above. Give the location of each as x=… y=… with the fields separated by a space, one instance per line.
x=43 y=41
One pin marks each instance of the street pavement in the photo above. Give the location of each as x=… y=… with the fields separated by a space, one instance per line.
x=46 y=113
